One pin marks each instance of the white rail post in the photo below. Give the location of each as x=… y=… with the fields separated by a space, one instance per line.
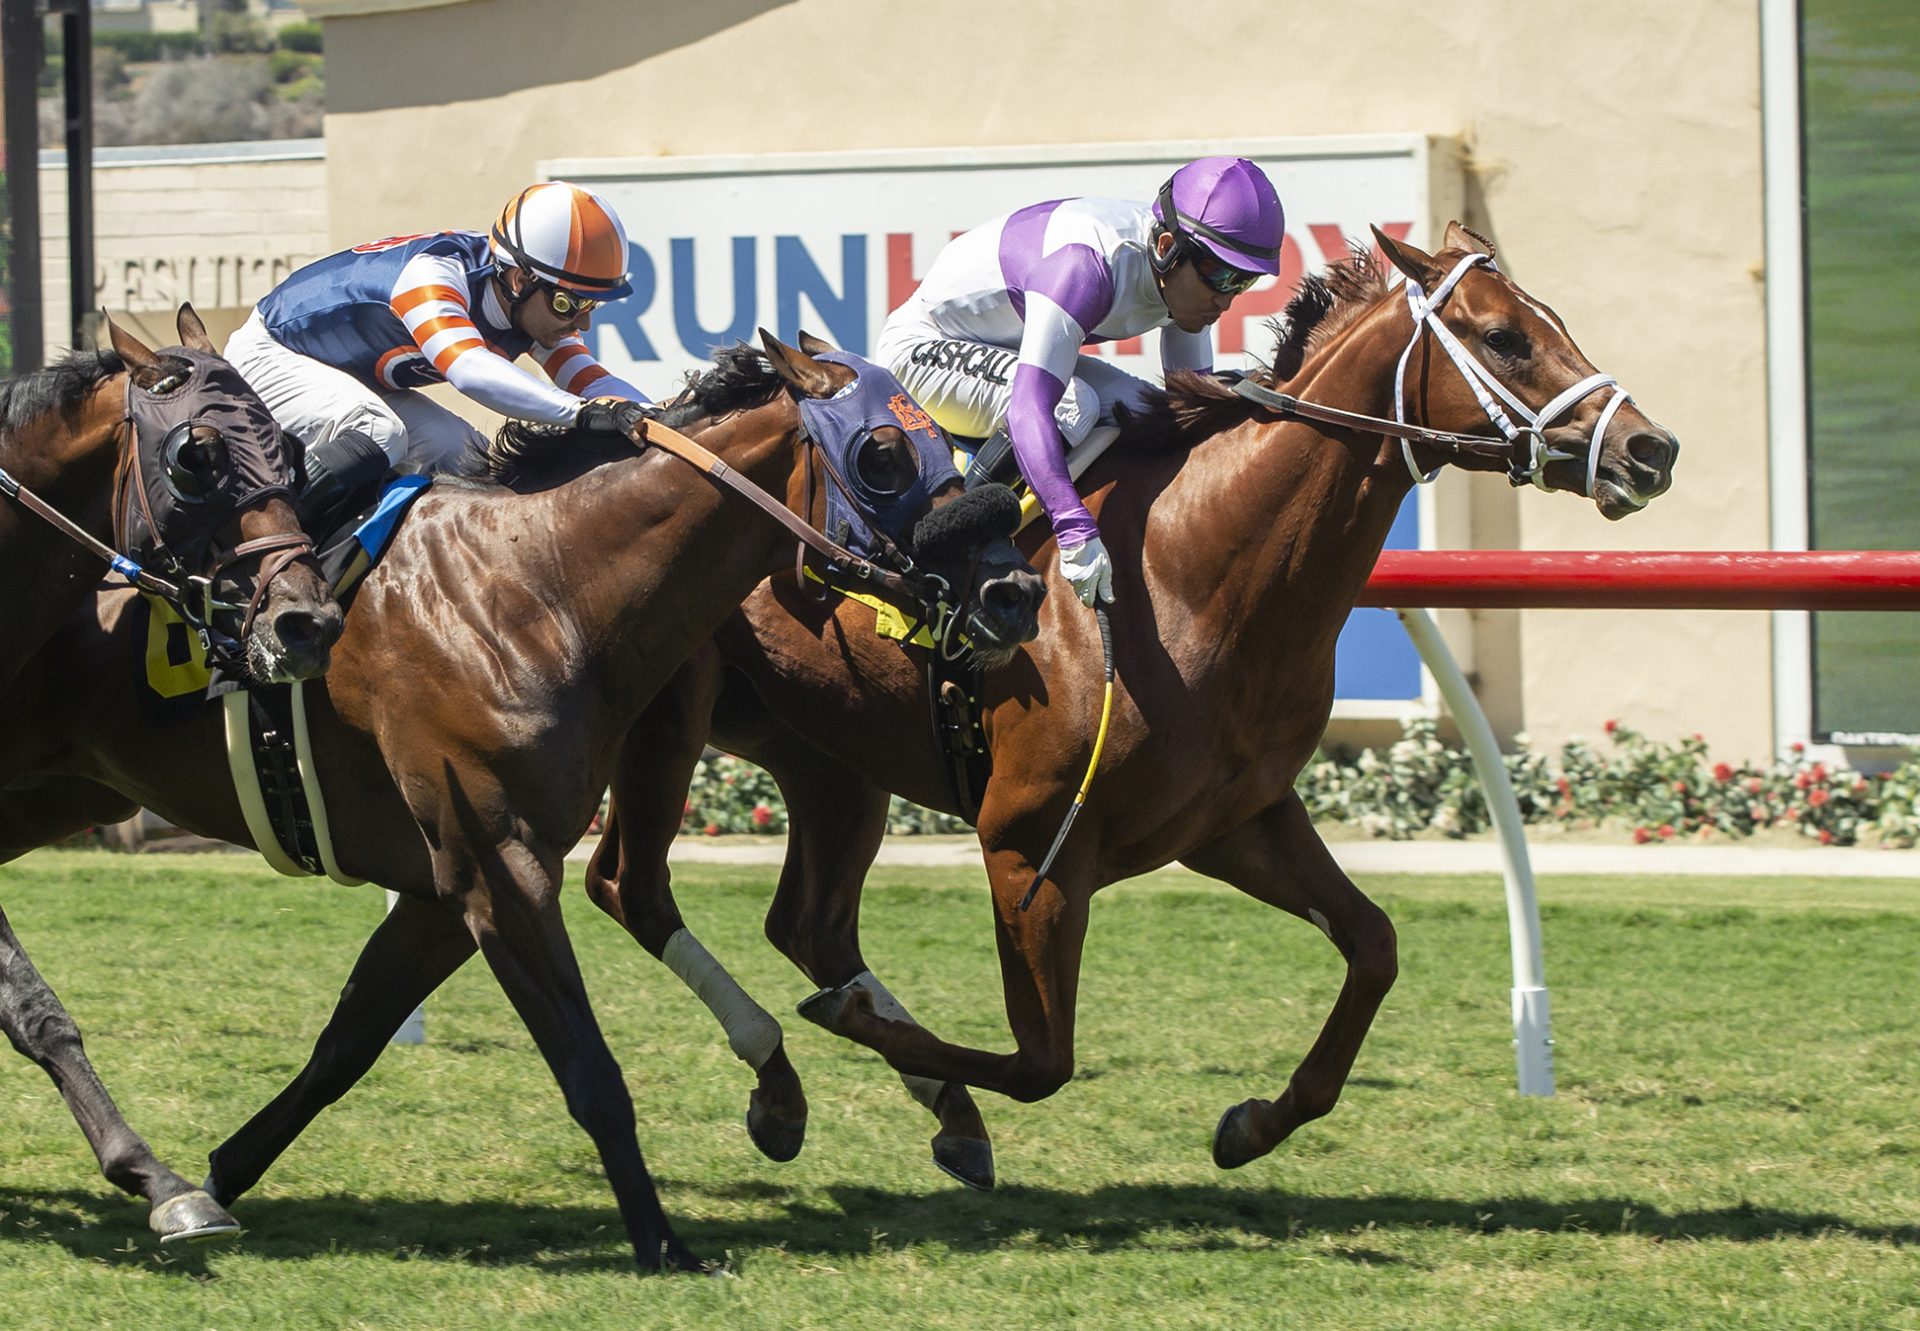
x=414 y=1029
x=1532 y=1024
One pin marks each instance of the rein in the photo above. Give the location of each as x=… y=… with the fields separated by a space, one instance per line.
x=910 y=591
x=1523 y=449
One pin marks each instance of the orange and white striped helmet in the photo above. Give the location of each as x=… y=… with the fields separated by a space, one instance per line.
x=567 y=235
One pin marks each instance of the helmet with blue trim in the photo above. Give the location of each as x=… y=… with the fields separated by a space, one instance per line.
x=1226 y=206
x=565 y=235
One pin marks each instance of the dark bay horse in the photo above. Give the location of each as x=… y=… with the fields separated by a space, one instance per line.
x=1240 y=542
x=81 y=437
x=491 y=667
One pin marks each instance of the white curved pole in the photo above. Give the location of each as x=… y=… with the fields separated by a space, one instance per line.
x=1532 y=1025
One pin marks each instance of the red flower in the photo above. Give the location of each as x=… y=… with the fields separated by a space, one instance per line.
x=1666 y=831
x=1826 y=837
x=1819 y=772
x=762 y=815
x=1722 y=772
x=686 y=808
x=1798 y=747
x=1641 y=836
x=1611 y=726
x=1566 y=787
x=1799 y=780
x=1819 y=797
x=711 y=829
x=1679 y=787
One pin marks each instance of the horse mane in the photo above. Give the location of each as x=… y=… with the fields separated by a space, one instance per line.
x=61 y=386
x=524 y=453
x=1197 y=405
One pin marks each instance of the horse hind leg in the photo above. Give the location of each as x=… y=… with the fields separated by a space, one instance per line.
x=33 y=814
x=628 y=878
x=1278 y=858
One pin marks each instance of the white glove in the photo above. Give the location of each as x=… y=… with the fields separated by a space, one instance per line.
x=1090 y=571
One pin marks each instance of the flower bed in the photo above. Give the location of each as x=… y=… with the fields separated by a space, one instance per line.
x=1651 y=791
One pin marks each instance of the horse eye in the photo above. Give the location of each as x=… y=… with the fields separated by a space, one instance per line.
x=886 y=470
x=1503 y=340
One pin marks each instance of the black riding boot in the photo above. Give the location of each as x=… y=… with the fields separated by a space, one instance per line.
x=994 y=462
x=339 y=470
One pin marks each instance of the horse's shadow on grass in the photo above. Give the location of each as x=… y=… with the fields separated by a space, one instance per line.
x=851 y=1221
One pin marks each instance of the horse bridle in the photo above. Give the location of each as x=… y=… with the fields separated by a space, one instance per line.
x=193 y=595
x=1524 y=451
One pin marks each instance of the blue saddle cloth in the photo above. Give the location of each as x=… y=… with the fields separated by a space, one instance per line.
x=349 y=553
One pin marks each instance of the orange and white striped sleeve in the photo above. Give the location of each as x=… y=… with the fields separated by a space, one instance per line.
x=430 y=298
x=574 y=370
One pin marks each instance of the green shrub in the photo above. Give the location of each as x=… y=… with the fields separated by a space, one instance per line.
x=302 y=37
x=144 y=47
x=1650 y=791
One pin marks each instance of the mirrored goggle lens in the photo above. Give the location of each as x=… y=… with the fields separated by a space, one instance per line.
x=565 y=304
x=1219 y=277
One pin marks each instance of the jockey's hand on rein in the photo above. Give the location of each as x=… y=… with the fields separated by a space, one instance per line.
x=611 y=415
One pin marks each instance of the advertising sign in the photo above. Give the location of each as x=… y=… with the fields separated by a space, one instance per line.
x=831 y=242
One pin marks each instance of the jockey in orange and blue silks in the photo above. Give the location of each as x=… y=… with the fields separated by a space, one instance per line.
x=337 y=350
x=992 y=337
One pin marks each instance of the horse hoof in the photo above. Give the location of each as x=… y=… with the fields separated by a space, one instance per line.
x=191 y=1218
x=1234 y=1143
x=676 y=1258
x=827 y=1007
x=965 y=1158
x=779 y=1139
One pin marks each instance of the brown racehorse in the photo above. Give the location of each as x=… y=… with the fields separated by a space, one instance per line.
x=1240 y=543
x=67 y=436
x=492 y=665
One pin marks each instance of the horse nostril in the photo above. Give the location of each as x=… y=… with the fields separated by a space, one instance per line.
x=1655 y=450
x=303 y=632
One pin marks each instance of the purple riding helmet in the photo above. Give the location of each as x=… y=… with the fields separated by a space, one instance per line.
x=1228 y=206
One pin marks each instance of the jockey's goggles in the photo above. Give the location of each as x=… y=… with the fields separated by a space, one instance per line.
x=1220 y=277
x=566 y=304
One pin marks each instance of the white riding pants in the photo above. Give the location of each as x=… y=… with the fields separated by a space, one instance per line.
x=966 y=386
x=313 y=402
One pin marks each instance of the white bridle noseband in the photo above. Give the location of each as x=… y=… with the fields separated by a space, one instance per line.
x=1426 y=318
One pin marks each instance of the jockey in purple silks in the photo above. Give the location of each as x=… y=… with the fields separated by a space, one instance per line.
x=991 y=340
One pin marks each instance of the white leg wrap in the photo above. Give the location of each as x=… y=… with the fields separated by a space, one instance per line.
x=752 y=1033
x=924 y=1089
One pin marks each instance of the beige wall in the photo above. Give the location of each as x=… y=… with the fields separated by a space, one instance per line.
x=218 y=225
x=1614 y=159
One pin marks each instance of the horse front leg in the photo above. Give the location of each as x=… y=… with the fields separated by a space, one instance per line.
x=1278 y=858
x=835 y=822
x=508 y=894
x=34 y=812
x=1040 y=974
x=412 y=952
x=628 y=878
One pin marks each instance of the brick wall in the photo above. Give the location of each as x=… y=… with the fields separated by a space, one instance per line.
x=215 y=224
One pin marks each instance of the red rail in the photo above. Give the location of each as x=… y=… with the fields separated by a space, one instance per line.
x=1648 y=580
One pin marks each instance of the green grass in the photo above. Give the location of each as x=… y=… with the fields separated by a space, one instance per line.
x=1733 y=1144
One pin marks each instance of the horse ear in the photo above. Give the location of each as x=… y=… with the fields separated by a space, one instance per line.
x=1415 y=262
x=798 y=368
x=812 y=345
x=193 y=332
x=131 y=349
x=1465 y=238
